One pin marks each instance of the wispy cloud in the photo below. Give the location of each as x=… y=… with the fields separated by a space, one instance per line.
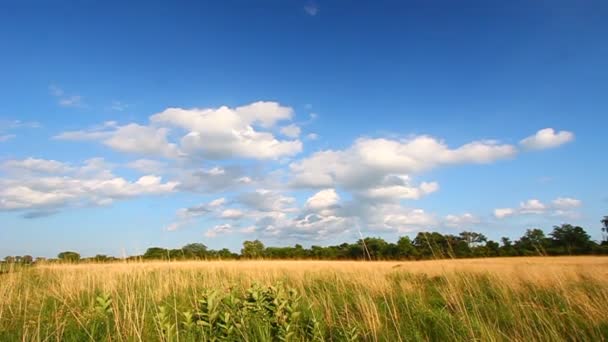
x=66 y=100
x=118 y=106
x=311 y=9
x=6 y=137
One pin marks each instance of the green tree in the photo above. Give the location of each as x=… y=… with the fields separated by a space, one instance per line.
x=253 y=249
x=69 y=256
x=571 y=239
x=533 y=242
x=156 y=253
x=405 y=248
x=195 y=250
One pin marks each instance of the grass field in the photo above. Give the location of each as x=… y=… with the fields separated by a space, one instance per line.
x=522 y=299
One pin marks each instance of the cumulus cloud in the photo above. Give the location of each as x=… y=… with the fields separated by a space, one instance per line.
x=368 y=161
x=546 y=138
x=324 y=199
x=130 y=138
x=210 y=133
x=48 y=185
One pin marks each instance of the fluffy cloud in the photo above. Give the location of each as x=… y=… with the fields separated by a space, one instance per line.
x=131 y=138
x=546 y=138
x=211 y=133
x=503 y=212
x=323 y=199
x=48 y=185
x=561 y=206
x=368 y=161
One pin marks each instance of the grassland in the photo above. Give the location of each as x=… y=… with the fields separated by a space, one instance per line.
x=499 y=299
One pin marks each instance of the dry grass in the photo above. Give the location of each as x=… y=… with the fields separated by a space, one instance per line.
x=561 y=298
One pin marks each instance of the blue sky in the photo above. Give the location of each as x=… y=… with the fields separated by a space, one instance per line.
x=125 y=126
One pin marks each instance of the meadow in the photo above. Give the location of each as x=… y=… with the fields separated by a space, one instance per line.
x=495 y=299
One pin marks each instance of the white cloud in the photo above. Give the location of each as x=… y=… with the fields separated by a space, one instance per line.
x=218 y=202
x=231 y=214
x=219 y=230
x=48 y=185
x=400 y=190
x=36 y=165
x=546 y=138
x=368 y=161
x=312 y=136
x=324 y=199
x=462 y=220
x=291 y=131
x=147 y=165
x=561 y=206
x=532 y=206
x=211 y=133
x=503 y=212
x=566 y=203
x=131 y=138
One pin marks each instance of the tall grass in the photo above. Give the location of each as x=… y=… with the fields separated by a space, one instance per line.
x=520 y=299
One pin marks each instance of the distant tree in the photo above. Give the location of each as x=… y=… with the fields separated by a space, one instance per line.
x=27 y=259
x=68 y=256
x=225 y=253
x=9 y=259
x=431 y=245
x=195 y=250
x=507 y=248
x=572 y=239
x=492 y=248
x=405 y=248
x=156 y=253
x=252 y=249
x=533 y=242
x=101 y=258
x=376 y=247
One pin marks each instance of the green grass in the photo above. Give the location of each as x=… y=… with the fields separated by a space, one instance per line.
x=299 y=302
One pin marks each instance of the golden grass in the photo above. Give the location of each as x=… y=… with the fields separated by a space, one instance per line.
x=384 y=299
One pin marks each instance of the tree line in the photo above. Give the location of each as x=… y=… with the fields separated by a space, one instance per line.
x=565 y=239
